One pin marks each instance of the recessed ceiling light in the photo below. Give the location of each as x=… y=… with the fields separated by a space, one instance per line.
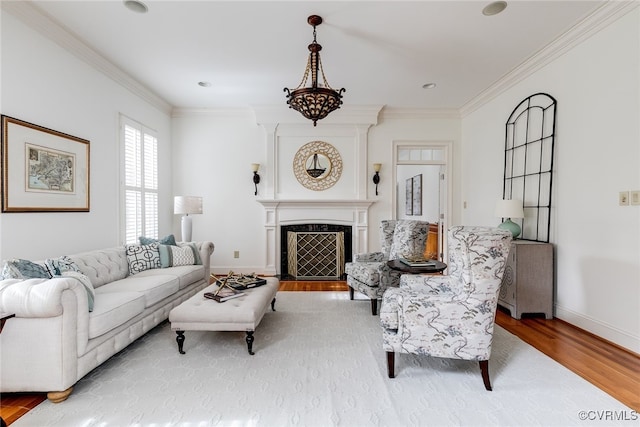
x=136 y=6
x=494 y=8
x=204 y=84
x=428 y=86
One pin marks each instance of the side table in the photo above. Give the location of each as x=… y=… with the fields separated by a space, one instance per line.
x=398 y=265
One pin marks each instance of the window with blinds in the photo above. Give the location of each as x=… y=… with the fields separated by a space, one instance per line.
x=140 y=148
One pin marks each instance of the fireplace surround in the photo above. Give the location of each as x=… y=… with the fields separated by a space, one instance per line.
x=350 y=216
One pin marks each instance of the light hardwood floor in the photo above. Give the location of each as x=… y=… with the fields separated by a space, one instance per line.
x=613 y=369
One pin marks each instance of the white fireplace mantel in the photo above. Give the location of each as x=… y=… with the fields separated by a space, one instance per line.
x=353 y=212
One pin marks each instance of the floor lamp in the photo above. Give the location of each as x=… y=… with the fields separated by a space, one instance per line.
x=185 y=205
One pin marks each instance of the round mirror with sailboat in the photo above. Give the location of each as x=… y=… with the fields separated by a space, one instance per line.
x=317 y=165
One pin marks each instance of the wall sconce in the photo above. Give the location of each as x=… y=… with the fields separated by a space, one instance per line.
x=376 y=176
x=256 y=177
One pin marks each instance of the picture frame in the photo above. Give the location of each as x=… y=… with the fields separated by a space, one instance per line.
x=417 y=194
x=43 y=170
x=408 y=191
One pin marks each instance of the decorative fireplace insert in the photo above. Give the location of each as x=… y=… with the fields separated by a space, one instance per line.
x=315 y=251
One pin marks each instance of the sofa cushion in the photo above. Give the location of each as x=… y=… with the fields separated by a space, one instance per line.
x=185 y=274
x=154 y=288
x=112 y=309
x=142 y=257
x=24 y=269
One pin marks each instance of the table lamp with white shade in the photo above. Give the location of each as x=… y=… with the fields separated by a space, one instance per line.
x=510 y=209
x=185 y=205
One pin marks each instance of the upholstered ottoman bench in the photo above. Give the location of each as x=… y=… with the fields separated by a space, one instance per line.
x=238 y=314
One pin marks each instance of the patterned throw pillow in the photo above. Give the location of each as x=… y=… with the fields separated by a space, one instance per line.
x=196 y=252
x=55 y=267
x=167 y=240
x=142 y=257
x=172 y=256
x=23 y=269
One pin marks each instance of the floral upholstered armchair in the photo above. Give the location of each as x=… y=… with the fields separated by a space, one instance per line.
x=369 y=273
x=449 y=316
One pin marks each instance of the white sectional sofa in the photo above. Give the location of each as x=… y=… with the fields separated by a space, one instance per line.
x=54 y=340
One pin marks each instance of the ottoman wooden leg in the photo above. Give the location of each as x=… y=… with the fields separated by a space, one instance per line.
x=250 y=342
x=273 y=304
x=180 y=340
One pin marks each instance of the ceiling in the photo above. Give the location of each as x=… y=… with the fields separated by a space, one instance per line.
x=382 y=52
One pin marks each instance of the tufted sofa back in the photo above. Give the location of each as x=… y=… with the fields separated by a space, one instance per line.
x=103 y=266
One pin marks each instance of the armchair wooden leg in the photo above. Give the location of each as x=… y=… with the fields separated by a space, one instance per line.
x=351 y=293
x=391 y=364
x=484 y=369
x=374 y=306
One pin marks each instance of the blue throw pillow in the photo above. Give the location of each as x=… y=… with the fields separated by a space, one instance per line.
x=24 y=269
x=167 y=240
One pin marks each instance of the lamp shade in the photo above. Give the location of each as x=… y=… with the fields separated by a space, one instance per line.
x=187 y=205
x=509 y=209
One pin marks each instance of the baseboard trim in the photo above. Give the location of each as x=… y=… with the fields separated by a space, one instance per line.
x=601 y=329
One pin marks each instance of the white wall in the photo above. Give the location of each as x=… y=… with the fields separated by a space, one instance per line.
x=212 y=155
x=42 y=83
x=597 y=155
x=423 y=129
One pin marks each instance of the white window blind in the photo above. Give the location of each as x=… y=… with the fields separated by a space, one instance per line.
x=140 y=148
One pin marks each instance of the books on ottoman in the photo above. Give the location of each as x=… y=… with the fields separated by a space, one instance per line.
x=224 y=294
x=240 y=282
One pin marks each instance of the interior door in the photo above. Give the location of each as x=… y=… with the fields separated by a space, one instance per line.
x=422 y=185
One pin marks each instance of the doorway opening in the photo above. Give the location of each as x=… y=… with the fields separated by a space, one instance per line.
x=422 y=190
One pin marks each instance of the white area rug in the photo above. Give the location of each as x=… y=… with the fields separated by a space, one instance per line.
x=319 y=362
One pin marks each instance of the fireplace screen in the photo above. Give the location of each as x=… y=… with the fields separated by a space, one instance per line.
x=315 y=255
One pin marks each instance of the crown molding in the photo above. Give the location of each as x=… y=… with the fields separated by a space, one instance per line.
x=345 y=115
x=229 y=113
x=599 y=19
x=420 y=113
x=45 y=25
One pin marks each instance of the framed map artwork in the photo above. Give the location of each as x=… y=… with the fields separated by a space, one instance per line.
x=43 y=170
